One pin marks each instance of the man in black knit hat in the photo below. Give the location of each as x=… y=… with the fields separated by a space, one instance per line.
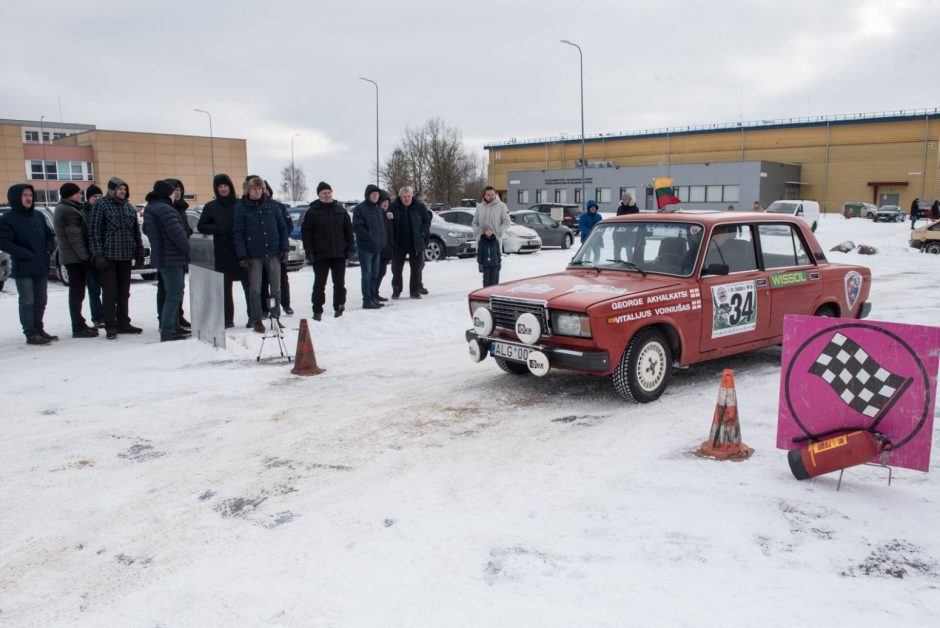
x=328 y=241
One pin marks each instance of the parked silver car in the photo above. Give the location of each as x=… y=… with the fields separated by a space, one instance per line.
x=6 y=268
x=202 y=253
x=449 y=240
x=552 y=232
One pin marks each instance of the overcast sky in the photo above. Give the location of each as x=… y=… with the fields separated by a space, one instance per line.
x=267 y=70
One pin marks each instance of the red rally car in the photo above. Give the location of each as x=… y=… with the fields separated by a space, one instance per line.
x=649 y=291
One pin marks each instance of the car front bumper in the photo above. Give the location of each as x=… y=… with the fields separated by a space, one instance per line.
x=568 y=359
x=460 y=248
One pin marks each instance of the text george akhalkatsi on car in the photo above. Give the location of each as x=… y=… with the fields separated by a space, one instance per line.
x=647 y=292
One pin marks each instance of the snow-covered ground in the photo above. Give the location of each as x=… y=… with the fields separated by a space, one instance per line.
x=148 y=484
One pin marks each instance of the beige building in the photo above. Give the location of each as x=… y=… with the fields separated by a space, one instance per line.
x=84 y=154
x=882 y=158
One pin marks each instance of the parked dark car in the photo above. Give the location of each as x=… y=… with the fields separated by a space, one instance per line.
x=567 y=214
x=889 y=213
x=552 y=232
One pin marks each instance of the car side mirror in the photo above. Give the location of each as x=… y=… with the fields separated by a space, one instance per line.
x=716 y=269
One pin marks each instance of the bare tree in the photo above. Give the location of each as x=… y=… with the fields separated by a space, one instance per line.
x=293 y=183
x=432 y=159
x=396 y=174
x=473 y=185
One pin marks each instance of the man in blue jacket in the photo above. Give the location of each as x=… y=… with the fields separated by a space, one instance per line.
x=169 y=253
x=369 y=225
x=260 y=237
x=26 y=236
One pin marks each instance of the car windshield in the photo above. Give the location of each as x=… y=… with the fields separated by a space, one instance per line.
x=780 y=207
x=890 y=208
x=668 y=248
x=436 y=218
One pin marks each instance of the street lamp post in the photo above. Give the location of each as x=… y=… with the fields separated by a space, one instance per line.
x=293 y=173
x=211 y=141
x=581 y=63
x=45 y=171
x=362 y=78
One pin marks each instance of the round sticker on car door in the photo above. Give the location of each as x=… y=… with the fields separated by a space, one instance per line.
x=734 y=308
x=853 y=287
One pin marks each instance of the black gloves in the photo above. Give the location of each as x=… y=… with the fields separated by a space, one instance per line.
x=283 y=256
x=245 y=262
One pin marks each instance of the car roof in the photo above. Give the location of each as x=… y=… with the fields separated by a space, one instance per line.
x=707 y=218
x=466 y=210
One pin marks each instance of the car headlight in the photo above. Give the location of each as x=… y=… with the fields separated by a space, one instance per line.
x=300 y=245
x=475 y=304
x=571 y=324
x=454 y=234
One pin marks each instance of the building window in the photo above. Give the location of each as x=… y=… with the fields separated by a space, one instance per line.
x=577 y=196
x=732 y=194
x=683 y=193
x=45 y=137
x=522 y=196
x=602 y=195
x=561 y=195
x=31 y=136
x=58 y=136
x=89 y=171
x=46 y=197
x=541 y=196
x=697 y=194
x=628 y=191
x=61 y=170
x=713 y=194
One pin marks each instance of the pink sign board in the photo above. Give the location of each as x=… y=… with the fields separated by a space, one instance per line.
x=846 y=374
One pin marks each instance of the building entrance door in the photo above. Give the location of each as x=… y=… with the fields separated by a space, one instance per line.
x=650 y=204
x=888 y=199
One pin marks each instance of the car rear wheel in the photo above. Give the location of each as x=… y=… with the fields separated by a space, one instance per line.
x=933 y=247
x=515 y=368
x=61 y=271
x=434 y=250
x=645 y=368
x=567 y=241
x=825 y=311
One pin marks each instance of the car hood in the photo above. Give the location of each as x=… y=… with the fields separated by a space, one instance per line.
x=452 y=227
x=519 y=231
x=577 y=290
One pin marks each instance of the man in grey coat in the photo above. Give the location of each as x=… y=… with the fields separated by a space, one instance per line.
x=492 y=212
x=71 y=234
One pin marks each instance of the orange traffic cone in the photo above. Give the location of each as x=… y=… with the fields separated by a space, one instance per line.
x=724 y=442
x=306 y=361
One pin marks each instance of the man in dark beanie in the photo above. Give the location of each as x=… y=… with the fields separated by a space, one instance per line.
x=218 y=219
x=260 y=237
x=25 y=235
x=114 y=238
x=71 y=232
x=169 y=252
x=92 y=276
x=328 y=241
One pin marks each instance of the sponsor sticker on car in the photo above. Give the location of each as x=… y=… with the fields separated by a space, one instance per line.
x=734 y=308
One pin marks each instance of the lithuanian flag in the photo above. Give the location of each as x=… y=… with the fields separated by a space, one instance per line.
x=664 y=192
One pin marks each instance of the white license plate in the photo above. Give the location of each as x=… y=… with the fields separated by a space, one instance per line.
x=510 y=352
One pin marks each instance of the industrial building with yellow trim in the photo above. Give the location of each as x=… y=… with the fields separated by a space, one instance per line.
x=887 y=158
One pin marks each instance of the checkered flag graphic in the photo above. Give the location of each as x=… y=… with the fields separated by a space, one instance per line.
x=862 y=383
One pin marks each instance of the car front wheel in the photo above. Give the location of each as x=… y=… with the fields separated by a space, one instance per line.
x=515 y=368
x=62 y=272
x=645 y=368
x=434 y=250
x=933 y=247
x=567 y=241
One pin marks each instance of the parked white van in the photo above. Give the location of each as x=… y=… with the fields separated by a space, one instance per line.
x=807 y=210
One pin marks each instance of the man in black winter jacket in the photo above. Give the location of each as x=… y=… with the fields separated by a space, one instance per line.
x=411 y=225
x=217 y=219
x=328 y=241
x=180 y=205
x=71 y=231
x=25 y=235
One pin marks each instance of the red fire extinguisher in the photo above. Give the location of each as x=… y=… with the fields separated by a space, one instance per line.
x=838 y=452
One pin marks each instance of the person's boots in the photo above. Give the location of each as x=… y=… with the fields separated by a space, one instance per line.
x=37 y=340
x=339 y=311
x=258 y=326
x=49 y=337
